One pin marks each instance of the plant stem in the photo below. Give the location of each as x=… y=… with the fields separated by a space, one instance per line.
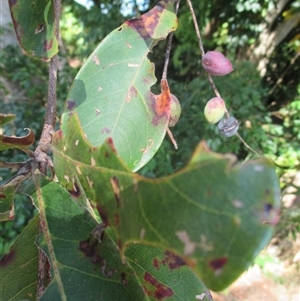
x=50 y=118
x=212 y=84
x=168 y=50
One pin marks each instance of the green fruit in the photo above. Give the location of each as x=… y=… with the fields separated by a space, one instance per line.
x=214 y=110
x=175 y=111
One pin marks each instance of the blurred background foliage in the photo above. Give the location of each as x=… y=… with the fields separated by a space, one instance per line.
x=262 y=39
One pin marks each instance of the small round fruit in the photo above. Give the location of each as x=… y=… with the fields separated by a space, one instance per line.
x=228 y=126
x=175 y=111
x=215 y=63
x=214 y=110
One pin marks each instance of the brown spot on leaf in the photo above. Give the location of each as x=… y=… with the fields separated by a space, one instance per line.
x=110 y=142
x=217 y=264
x=124 y=279
x=131 y=93
x=146 y=24
x=90 y=249
x=8 y=258
x=156 y=263
x=163 y=101
x=75 y=191
x=161 y=291
x=114 y=182
x=48 y=45
x=105 y=130
x=120 y=245
x=173 y=261
x=117 y=219
x=103 y=214
x=270 y=215
x=71 y=104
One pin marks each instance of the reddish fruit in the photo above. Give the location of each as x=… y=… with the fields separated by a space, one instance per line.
x=175 y=111
x=214 y=110
x=215 y=63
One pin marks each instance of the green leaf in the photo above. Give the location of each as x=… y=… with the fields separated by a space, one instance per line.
x=5 y=118
x=87 y=265
x=18 y=268
x=34 y=27
x=9 y=188
x=163 y=274
x=111 y=93
x=7 y=202
x=215 y=214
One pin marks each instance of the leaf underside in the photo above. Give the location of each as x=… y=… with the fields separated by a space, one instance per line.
x=111 y=93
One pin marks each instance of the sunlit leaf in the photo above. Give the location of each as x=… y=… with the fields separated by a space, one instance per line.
x=34 y=27
x=111 y=93
x=215 y=214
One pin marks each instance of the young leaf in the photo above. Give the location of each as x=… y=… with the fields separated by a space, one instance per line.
x=18 y=268
x=111 y=93
x=215 y=214
x=34 y=27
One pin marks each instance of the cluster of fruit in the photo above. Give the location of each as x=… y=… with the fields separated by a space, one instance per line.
x=216 y=64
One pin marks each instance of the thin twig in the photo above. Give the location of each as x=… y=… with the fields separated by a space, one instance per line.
x=40 y=154
x=44 y=144
x=248 y=146
x=212 y=84
x=172 y=138
x=50 y=117
x=168 y=50
x=11 y=164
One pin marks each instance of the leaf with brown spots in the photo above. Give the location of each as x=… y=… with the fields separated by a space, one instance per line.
x=111 y=94
x=18 y=268
x=80 y=260
x=34 y=26
x=203 y=215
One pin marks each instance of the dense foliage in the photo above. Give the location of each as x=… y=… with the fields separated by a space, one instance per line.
x=267 y=104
